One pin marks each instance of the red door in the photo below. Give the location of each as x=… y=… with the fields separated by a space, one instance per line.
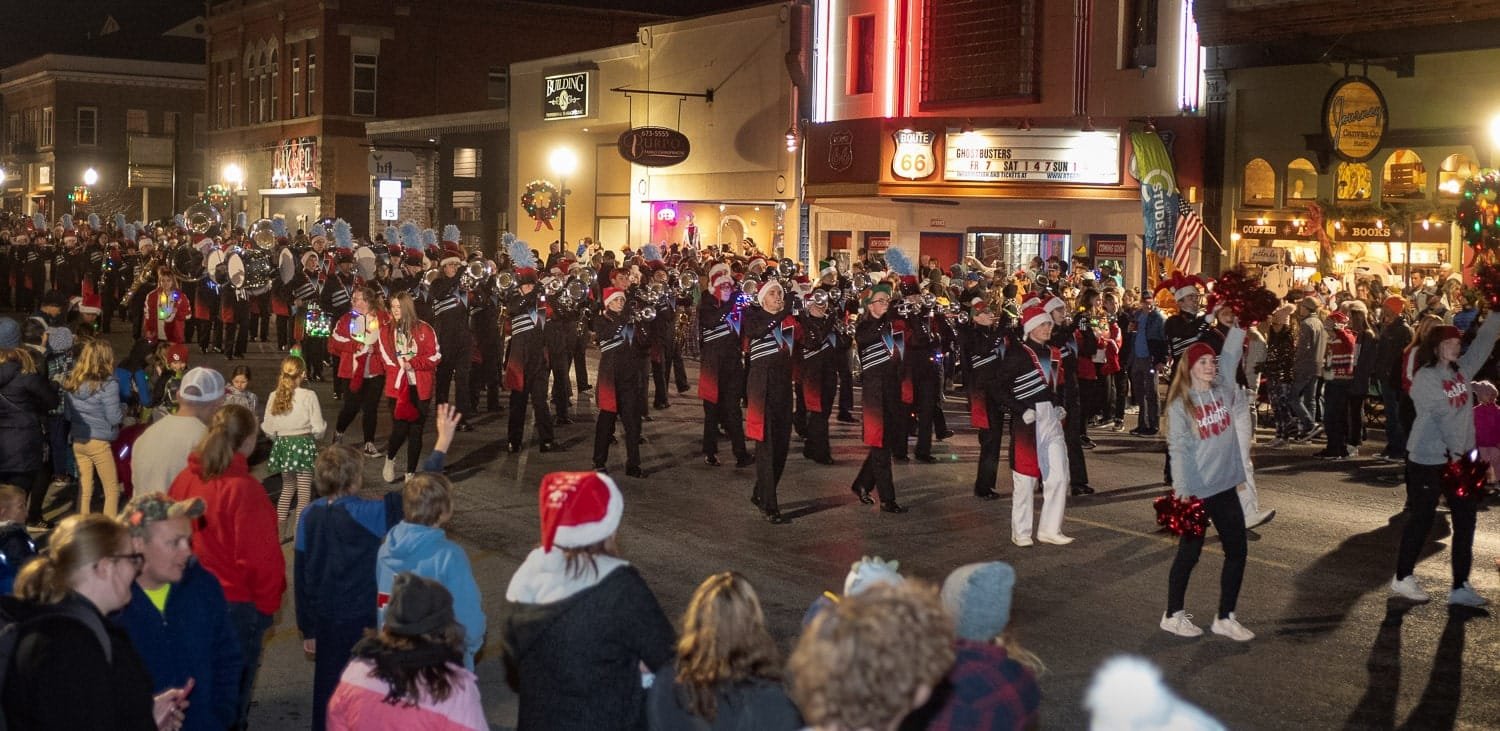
x=943 y=248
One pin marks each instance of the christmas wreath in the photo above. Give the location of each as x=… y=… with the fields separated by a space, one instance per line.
x=1479 y=220
x=540 y=201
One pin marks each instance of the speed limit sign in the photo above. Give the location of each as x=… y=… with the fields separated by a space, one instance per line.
x=913 y=158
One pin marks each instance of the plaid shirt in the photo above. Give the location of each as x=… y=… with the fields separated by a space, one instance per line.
x=985 y=689
x=59 y=365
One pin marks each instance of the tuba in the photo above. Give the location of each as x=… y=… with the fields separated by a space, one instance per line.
x=202 y=216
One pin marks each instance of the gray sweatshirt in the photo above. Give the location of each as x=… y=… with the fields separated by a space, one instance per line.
x=1204 y=446
x=1312 y=344
x=1444 y=423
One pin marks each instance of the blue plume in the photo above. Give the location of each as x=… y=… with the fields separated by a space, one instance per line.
x=39 y=222
x=429 y=238
x=582 y=249
x=278 y=227
x=241 y=220
x=66 y=221
x=343 y=235
x=180 y=221
x=119 y=221
x=128 y=231
x=651 y=252
x=317 y=230
x=450 y=233
x=411 y=236
x=94 y=221
x=506 y=239
x=392 y=236
x=899 y=262
x=520 y=254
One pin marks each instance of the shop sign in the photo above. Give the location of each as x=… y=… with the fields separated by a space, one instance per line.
x=1354 y=118
x=566 y=96
x=1254 y=228
x=913 y=158
x=1264 y=255
x=1110 y=248
x=878 y=243
x=1033 y=156
x=937 y=222
x=653 y=147
x=391 y=164
x=840 y=149
x=1364 y=231
x=295 y=163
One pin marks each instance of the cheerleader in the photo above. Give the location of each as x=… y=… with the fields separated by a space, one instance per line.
x=622 y=350
x=983 y=347
x=354 y=341
x=294 y=421
x=409 y=349
x=881 y=340
x=1203 y=443
x=166 y=311
x=1032 y=372
x=771 y=335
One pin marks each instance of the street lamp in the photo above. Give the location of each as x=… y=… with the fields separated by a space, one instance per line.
x=234 y=176
x=90 y=177
x=563 y=162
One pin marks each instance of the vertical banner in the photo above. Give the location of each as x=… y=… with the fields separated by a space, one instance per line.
x=1152 y=166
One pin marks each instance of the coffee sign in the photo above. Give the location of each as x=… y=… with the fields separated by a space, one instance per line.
x=1354 y=118
x=566 y=96
x=653 y=147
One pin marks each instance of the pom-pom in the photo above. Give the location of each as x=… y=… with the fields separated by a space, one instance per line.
x=278 y=227
x=94 y=222
x=1463 y=479
x=1245 y=295
x=411 y=236
x=119 y=221
x=343 y=234
x=506 y=239
x=520 y=254
x=241 y=220
x=429 y=238
x=450 y=233
x=899 y=262
x=1181 y=516
x=651 y=252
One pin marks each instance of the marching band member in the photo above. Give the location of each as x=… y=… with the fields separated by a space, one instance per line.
x=721 y=367
x=450 y=318
x=843 y=305
x=409 y=349
x=622 y=349
x=484 y=320
x=822 y=343
x=1033 y=372
x=984 y=343
x=1073 y=344
x=167 y=310
x=354 y=341
x=771 y=336
x=308 y=315
x=560 y=336
x=526 y=358
x=337 y=295
x=880 y=339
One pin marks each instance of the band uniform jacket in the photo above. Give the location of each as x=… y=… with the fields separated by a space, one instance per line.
x=719 y=327
x=771 y=341
x=882 y=345
x=622 y=347
x=1030 y=373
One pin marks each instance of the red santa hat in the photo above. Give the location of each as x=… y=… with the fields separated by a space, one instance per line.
x=765 y=289
x=755 y=262
x=1034 y=317
x=613 y=292
x=89 y=303
x=578 y=509
x=717 y=270
x=1053 y=303
x=1180 y=286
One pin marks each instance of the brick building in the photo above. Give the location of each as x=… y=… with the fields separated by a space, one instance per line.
x=293 y=84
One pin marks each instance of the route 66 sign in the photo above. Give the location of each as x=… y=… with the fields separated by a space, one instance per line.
x=913 y=158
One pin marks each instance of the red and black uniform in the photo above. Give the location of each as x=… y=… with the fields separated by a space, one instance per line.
x=411 y=390
x=450 y=318
x=771 y=340
x=881 y=343
x=721 y=375
x=526 y=368
x=622 y=351
x=983 y=347
x=821 y=344
x=1076 y=345
x=489 y=344
x=355 y=341
x=307 y=288
x=561 y=336
x=1032 y=375
x=927 y=333
x=166 y=316
x=30 y=270
x=337 y=298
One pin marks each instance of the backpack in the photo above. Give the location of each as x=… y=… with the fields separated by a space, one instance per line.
x=11 y=632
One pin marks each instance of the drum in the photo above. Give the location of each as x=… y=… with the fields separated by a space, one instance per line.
x=365 y=262
x=286 y=265
x=216 y=266
x=260 y=274
x=234 y=264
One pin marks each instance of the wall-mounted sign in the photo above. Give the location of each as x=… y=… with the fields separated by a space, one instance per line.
x=1265 y=255
x=1354 y=118
x=390 y=209
x=1109 y=247
x=654 y=147
x=1255 y=228
x=937 y=222
x=391 y=164
x=295 y=163
x=913 y=158
x=1033 y=156
x=840 y=149
x=566 y=96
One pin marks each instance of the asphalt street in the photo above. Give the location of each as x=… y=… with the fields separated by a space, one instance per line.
x=1332 y=650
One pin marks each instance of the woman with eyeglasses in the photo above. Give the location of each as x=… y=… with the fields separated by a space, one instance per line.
x=72 y=668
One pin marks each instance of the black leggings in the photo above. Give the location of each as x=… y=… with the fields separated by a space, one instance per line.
x=1423 y=486
x=1229 y=520
x=408 y=432
x=366 y=400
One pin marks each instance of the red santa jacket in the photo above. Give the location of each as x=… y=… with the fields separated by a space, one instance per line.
x=166 y=316
x=424 y=361
x=354 y=342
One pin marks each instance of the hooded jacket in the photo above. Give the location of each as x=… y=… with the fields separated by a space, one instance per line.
x=94 y=412
x=426 y=551
x=337 y=541
x=574 y=644
x=236 y=539
x=24 y=398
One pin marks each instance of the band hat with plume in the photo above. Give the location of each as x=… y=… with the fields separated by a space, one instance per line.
x=343 y=234
x=94 y=222
x=318 y=232
x=278 y=227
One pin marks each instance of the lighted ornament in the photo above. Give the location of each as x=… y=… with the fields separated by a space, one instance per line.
x=1478 y=213
x=316 y=324
x=1181 y=517
x=166 y=304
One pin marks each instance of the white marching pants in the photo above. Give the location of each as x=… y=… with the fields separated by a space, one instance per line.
x=1244 y=429
x=1052 y=456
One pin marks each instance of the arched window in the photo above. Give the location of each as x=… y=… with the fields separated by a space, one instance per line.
x=252 y=88
x=1354 y=181
x=1404 y=177
x=1301 y=180
x=1456 y=169
x=1259 y=184
x=264 y=80
x=275 y=87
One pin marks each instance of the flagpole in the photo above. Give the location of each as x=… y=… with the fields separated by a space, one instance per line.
x=1215 y=239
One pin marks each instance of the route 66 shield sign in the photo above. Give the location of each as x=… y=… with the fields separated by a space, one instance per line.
x=913 y=158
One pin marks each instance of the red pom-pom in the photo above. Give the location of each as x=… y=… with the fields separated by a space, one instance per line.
x=1181 y=516
x=1245 y=295
x=1463 y=478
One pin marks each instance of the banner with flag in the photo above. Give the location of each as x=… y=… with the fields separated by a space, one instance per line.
x=1151 y=164
x=1189 y=236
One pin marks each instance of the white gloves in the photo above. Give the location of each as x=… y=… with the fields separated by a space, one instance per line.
x=1029 y=417
x=1062 y=413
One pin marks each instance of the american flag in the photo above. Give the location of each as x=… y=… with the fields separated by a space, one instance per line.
x=1189 y=234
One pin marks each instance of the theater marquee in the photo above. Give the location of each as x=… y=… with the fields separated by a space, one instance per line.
x=1032 y=156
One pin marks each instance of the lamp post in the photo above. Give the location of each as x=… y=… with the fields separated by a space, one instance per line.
x=563 y=162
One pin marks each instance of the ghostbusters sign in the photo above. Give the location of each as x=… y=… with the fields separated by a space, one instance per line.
x=913 y=158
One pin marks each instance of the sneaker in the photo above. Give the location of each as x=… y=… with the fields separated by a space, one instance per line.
x=372 y=451
x=1260 y=518
x=1276 y=443
x=388 y=472
x=1132 y=410
x=1231 y=628
x=1119 y=425
x=1022 y=541
x=1181 y=624
x=1465 y=595
x=1409 y=588
x=409 y=475
x=1057 y=540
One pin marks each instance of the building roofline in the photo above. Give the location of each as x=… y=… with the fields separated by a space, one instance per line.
x=484 y=119
x=59 y=62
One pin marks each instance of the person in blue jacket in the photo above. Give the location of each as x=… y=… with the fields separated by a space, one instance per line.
x=177 y=617
x=420 y=546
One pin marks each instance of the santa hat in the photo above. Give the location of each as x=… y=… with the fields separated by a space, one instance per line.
x=827 y=267
x=1053 y=303
x=760 y=294
x=756 y=263
x=1337 y=317
x=89 y=304
x=721 y=280
x=1031 y=301
x=1180 y=286
x=613 y=292
x=718 y=270
x=1128 y=693
x=1034 y=317
x=578 y=509
x=1198 y=350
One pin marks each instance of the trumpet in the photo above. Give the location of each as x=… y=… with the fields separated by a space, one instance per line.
x=474 y=274
x=505 y=281
x=819 y=298
x=687 y=280
x=861 y=282
x=750 y=284
x=552 y=286
x=644 y=313
x=787 y=268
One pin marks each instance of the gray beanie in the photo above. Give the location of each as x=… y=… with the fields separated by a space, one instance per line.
x=978 y=596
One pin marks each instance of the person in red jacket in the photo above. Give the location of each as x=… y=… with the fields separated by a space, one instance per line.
x=236 y=539
x=167 y=310
x=355 y=341
x=409 y=348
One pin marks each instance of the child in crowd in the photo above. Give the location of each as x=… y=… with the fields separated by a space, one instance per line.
x=420 y=546
x=16 y=546
x=239 y=391
x=338 y=539
x=294 y=419
x=94 y=415
x=133 y=375
x=1487 y=427
x=164 y=394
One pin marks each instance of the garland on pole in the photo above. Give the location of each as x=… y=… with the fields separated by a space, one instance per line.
x=541 y=201
x=1478 y=209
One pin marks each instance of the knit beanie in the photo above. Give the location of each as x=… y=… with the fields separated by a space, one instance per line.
x=978 y=597
x=870 y=571
x=1394 y=304
x=418 y=606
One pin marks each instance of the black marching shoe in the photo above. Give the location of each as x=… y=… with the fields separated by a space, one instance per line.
x=903 y=459
x=1081 y=490
x=892 y=507
x=636 y=472
x=602 y=469
x=927 y=459
x=943 y=435
x=864 y=496
x=987 y=495
x=847 y=418
x=513 y=447
x=563 y=420
x=551 y=447
x=712 y=460
x=774 y=517
x=744 y=461
x=585 y=388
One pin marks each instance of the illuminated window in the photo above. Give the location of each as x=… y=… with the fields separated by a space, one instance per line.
x=1404 y=176
x=1260 y=184
x=1354 y=180
x=1453 y=172
x=467 y=162
x=1301 y=180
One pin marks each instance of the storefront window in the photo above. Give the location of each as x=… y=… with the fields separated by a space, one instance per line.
x=1301 y=180
x=1353 y=182
x=1260 y=184
x=1405 y=177
x=1453 y=172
